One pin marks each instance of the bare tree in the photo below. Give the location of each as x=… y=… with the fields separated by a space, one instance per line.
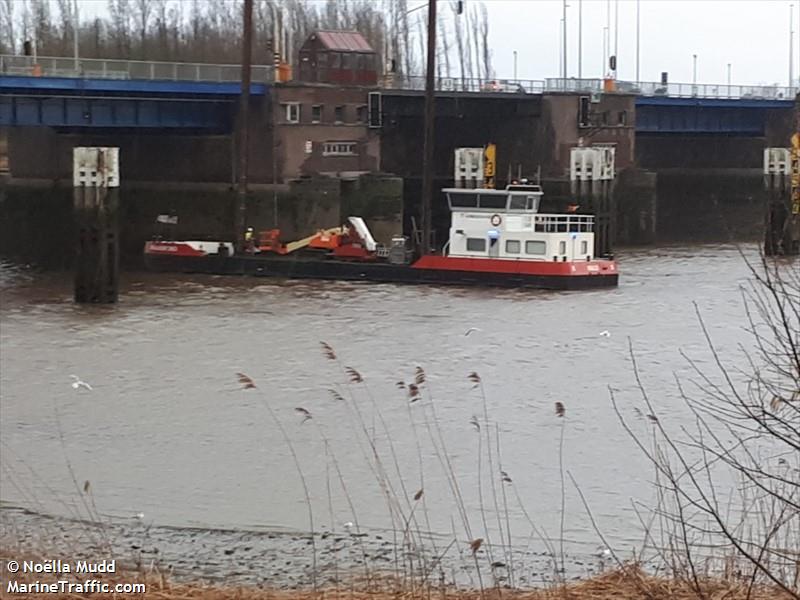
x=8 y=40
x=484 y=41
x=143 y=8
x=743 y=434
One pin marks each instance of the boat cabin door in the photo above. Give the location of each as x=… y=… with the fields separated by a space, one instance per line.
x=494 y=243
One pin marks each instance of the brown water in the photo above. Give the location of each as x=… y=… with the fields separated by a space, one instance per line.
x=167 y=431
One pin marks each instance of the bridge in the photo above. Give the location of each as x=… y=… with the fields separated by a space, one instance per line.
x=98 y=93
x=65 y=93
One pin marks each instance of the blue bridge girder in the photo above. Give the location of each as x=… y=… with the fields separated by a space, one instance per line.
x=734 y=116
x=107 y=103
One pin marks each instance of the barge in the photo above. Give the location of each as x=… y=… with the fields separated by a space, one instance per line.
x=498 y=238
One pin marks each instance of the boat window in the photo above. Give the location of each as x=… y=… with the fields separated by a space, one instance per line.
x=512 y=246
x=496 y=201
x=531 y=202
x=562 y=247
x=476 y=245
x=584 y=247
x=517 y=203
x=463 y=200
x=536 y=247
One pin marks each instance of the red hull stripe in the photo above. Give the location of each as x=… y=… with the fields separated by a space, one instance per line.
x=171 y=249
x=517 y=267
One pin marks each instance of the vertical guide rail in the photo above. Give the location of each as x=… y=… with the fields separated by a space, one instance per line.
x=95 y=206
x=427 y=165
x=244 y=107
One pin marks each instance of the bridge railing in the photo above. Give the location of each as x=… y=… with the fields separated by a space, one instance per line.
x=675 y=90
x=466 y=84
x=50 y=66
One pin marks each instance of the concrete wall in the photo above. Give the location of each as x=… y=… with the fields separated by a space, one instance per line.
x=613 y=121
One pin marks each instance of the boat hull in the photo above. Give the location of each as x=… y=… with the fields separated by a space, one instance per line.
x=545 y=277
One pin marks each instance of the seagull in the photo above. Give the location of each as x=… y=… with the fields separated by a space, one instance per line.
x=470 y=330
x=139 y=516
x=79 y=384
x=605 y=333
x=348 y=525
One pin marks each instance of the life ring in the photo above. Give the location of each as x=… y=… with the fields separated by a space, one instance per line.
x=496 y=220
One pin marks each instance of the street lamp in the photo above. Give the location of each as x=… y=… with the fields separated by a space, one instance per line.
x=515 y=65
x=694 y=69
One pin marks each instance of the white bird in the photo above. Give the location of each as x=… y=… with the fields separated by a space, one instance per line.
x=348 y=525
x=605 y=333
x=470 y=330
x=77 y=384
x=138 y=516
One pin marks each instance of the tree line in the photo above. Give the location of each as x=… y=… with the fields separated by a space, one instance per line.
x=211 y=31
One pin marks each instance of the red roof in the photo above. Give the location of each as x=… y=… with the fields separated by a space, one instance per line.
x=344 y=41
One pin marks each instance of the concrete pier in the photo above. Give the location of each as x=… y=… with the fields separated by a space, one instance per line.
x=95 y=207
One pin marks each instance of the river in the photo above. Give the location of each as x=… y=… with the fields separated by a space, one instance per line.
x=167 y=436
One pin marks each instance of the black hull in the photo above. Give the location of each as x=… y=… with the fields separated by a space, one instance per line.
x=305 y=268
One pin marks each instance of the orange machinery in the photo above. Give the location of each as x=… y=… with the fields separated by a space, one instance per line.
x=342 y=242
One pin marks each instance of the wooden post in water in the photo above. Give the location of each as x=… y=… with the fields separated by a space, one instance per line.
x=777 y=234
x=95 y=204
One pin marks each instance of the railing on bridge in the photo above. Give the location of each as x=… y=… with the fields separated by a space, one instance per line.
x=591 y=86
x=674 y=90
x=49 y=66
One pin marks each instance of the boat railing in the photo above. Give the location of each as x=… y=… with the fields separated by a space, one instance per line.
x=563 y=223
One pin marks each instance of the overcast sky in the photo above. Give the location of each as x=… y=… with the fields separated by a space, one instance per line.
x=751 y=35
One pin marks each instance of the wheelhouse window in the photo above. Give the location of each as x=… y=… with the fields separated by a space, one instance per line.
x=476 y=245
x=536 y=247
x=339 y=149
x=517 y=203
x=292 y=112
x=512 y=247
x=316 y=113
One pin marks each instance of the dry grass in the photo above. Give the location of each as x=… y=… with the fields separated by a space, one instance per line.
x=622 y=584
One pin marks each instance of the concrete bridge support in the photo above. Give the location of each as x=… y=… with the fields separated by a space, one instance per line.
x=95 y=207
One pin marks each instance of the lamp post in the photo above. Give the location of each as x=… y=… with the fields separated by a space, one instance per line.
x=729 y=80
x=244 y=105
x=564 y=40
x=791 y=44
x=637 y=43
x=694 y=69
x=515 y=65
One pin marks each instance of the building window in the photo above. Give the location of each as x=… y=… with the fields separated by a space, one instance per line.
x=339 y=149
x=584 y=247
x=362 y=114
x=562 y=247
x=476 y=245
x=622 y=118
x=292 y=112
x=336 y=60
x=512 y=247
x=338 y=114
x=316 y=113
x=536 y=247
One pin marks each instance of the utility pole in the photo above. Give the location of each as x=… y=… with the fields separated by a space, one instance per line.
x=616 y=37
x=694 y=69
x=244 y=106
x=430 y=115
x=564 y=41
x=515 y=65
x=580 y=38
x=75 y=29
x=637 y=40
x=791 y=44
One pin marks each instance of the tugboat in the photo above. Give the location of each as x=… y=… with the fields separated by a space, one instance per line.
x=497 y=238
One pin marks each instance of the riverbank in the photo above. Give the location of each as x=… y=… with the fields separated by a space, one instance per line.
x=625 y=583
